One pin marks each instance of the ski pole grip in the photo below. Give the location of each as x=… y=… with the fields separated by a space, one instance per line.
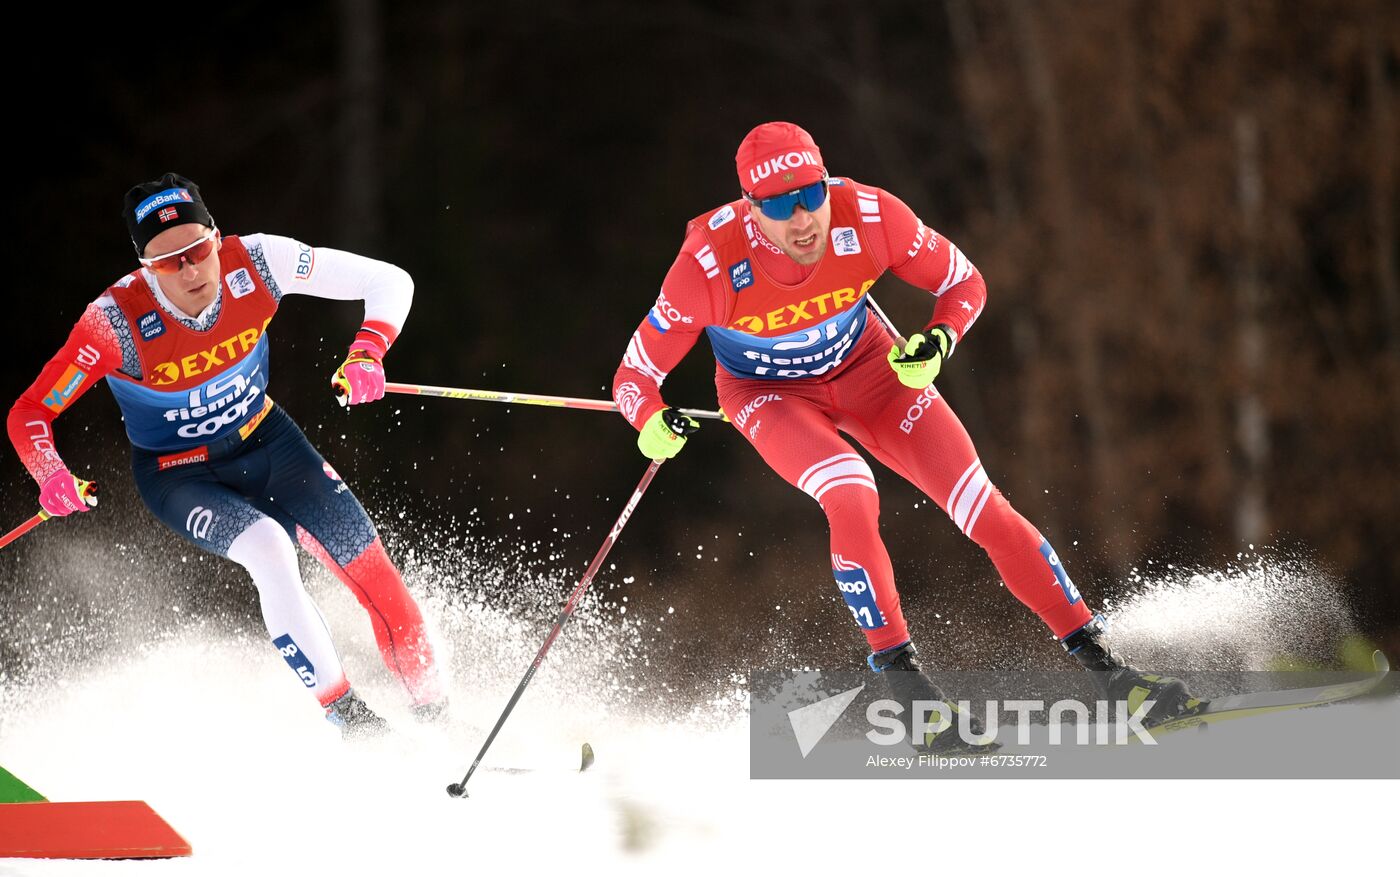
x=88 y=491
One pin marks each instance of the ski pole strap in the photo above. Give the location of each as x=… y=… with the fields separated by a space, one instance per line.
x=527 y=399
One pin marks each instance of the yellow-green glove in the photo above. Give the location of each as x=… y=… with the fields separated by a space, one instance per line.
x=922 y=357
x=665 y=433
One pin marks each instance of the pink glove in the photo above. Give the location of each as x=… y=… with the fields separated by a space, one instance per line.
x=360 y=378
x=61 y=496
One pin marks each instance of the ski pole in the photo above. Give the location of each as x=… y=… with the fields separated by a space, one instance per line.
x=86 y=489
x=459 y=790
x=23 y=528
x=526 y=399
x=889 y=326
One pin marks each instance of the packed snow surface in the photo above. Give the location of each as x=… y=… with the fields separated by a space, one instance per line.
x=119 y=690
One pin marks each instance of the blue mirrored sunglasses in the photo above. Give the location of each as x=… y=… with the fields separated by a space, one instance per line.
x=780 y=207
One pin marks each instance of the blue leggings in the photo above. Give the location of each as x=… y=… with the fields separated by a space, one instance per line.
x=275 y=473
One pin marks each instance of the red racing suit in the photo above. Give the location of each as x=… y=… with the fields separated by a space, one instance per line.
x=799 y=361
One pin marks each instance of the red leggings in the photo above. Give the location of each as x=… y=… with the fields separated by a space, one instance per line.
x=397 y=622
x=795 y=426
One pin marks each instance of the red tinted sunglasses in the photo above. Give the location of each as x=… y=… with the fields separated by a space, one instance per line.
x=193 y=254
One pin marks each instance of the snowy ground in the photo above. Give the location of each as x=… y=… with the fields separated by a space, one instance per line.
x=205 y=725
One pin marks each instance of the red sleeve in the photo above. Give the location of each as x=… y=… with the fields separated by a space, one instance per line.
x=91 y=352
x=923 y=257
x=684 y=308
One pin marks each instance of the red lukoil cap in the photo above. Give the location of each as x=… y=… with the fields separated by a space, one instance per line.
x=777 y=157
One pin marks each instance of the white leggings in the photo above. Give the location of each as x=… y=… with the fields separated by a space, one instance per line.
x=296 y=626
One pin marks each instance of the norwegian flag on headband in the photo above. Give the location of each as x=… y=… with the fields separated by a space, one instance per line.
x=167 y=214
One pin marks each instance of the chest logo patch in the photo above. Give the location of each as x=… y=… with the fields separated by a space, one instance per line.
x=721 y=216
x=150 y=325
x=240 y=283
x=740 y=275
x=845 y=241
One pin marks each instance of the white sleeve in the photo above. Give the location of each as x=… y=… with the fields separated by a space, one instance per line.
x=294 y=267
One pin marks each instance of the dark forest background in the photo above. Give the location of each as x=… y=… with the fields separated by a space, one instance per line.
x=1185 y=212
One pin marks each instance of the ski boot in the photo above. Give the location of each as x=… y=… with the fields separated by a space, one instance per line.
x=355 y=719
x=1117 y=681
x=909 y=684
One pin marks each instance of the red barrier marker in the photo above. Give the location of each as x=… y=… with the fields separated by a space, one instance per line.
x=87 y=830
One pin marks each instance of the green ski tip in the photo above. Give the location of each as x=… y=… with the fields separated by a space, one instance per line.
x=587 y=760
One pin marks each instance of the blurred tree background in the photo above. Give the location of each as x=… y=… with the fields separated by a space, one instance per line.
x=1185 y=212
